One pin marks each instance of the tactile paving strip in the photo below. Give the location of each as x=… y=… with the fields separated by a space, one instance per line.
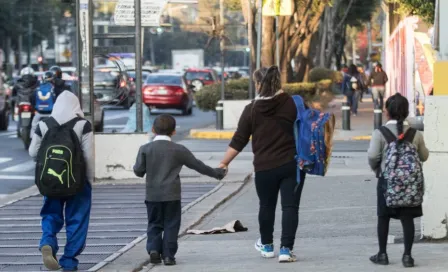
x=118 y=217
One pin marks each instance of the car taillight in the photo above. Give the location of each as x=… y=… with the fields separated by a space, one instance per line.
x=179 y=91
x=147 y=91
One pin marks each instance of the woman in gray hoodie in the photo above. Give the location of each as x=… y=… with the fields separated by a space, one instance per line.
x=77 y=207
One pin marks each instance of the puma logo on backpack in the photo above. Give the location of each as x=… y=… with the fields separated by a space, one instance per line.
x=60 y=167
x=403 y=171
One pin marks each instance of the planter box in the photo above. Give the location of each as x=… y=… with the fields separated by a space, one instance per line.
x=232 y=112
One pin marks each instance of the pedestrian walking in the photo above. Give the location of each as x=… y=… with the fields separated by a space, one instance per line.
x=269 y=119
x=378 y=79
x=396 y=154
x=352 y=87
x=161 y=161
x=365 y=81
x=64 y=137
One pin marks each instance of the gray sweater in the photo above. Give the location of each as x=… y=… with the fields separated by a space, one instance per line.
x=162 y=161
x=378 y=146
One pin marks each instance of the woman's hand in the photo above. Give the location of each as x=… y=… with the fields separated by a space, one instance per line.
x=224 y=166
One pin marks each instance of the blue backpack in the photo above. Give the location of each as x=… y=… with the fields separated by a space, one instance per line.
x=45 y=98
x=313 y=133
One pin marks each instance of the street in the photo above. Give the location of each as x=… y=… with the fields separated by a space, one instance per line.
x=17 y=168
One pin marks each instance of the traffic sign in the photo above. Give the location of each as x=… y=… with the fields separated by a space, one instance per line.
x=151 y=11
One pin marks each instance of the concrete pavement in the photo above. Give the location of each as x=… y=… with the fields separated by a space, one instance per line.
x=337 y=230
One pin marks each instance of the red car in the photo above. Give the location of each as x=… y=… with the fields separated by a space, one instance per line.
x=168 y=91
x=200 y=77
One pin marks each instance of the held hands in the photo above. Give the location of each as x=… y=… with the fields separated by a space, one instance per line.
x=222 y=171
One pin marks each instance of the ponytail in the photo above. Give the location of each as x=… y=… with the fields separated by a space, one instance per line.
x=400 y=133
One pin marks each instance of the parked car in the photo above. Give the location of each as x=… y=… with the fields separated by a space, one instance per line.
x=168 y=91
x=200 y=77
x=112 y=86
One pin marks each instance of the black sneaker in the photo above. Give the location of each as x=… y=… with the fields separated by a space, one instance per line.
x=154 y=257
x=380 y=258
x=408 y=261
x=169 y=261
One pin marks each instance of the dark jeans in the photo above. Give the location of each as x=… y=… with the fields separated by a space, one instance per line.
x=353 y=101
x=163 y=227
x=268 y=183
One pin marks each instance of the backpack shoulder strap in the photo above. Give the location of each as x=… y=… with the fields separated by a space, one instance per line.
x=390 y=137
x=410 y=134
x=71 y=124
x=300 y=105
x=51 y=123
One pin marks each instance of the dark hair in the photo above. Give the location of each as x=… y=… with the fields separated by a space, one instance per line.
x=259 y=74
x=379 y=65
x=353 y=70
x=398 y=108
x=271 y=82
x=164 y=124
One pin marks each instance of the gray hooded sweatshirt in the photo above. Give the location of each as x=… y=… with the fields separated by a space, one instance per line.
x=66 y=109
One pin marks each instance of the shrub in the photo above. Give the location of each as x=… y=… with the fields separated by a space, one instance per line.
x=208 y=96
x=320 y=73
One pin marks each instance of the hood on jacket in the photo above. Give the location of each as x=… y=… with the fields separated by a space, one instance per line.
x=66 y=108
x=268 y=106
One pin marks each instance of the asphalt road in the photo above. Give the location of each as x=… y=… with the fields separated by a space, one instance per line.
x=17 y=168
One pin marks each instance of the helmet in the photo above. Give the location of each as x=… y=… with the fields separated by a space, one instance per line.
x=27 y=71
x=56 y=70
x=48 y=76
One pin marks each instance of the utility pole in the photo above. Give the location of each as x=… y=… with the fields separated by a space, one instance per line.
x=222 y=45
x=30 y=34
x=259 y=40
x=55 y=38
x=151 y=48
x=138 y=64
x=250 y=42
x=369 y=38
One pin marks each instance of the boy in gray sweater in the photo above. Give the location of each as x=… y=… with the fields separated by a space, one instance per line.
x=162 y=160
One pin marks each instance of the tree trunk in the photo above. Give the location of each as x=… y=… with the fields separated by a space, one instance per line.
x=250 y=13
x=268 y=42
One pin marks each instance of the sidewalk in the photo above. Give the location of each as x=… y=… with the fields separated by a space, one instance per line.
x=134 y=256
x=118 y=222
x=361 y=125
x=337 y=230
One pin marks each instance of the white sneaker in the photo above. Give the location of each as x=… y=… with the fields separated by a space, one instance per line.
x=286 y=256
x=266 y=251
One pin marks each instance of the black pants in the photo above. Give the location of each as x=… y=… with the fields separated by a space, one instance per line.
x=408 y=231
x=163 y=227
x=268 y=183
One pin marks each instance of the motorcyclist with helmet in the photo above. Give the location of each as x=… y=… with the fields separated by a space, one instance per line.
x=57 y=81
x=23 y=90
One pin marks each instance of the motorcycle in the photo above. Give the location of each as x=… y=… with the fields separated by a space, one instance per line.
x=26 y=114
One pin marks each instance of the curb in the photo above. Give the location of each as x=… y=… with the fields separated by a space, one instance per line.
x=20 y=195
x=145 y=264
x=227 y=135
x=211 y=134
x=361 y=138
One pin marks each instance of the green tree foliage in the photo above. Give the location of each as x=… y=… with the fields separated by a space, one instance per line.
x=423 y=8
x=15 y=16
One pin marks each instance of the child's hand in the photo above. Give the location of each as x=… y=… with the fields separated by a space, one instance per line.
x=220 y=173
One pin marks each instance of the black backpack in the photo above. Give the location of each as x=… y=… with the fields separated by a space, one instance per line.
x=60 y=167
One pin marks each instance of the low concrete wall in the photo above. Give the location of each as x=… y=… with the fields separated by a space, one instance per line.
x=435 y=205
x=232 y=112
x=115 y=155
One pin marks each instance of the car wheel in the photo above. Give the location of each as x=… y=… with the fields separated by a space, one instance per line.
x=100 y=126
x=4 y=120
x=185 y=110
